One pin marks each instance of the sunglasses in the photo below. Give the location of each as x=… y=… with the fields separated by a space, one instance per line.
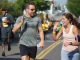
x=32 y=9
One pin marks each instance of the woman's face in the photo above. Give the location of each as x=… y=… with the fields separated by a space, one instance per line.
x=65 y=21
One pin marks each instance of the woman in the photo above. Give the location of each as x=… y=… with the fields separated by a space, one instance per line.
x=69 y=31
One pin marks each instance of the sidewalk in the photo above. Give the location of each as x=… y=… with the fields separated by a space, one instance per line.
x=11 y=55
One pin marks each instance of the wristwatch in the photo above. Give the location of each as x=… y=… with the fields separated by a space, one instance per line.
x=70 y=43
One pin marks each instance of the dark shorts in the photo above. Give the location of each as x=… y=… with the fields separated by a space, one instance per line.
x=30 y=51
x=4 y=40
x=5 y=32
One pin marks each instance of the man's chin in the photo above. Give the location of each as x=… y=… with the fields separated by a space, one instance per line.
x=32 y=15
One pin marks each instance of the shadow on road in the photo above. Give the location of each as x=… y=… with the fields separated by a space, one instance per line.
x=9 y=58
x=17 y=59
x=14 y=54
x=42 y=59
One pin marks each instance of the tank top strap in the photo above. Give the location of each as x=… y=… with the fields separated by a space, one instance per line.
x=70 y=31
x=71 y=28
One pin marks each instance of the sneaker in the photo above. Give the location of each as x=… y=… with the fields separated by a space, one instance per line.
x=3 y=53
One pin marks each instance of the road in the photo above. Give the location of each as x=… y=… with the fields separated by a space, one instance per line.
x=51 y=51
x=14 y=53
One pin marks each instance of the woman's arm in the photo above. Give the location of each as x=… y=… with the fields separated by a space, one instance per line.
x=56 y=36
x=76 y=33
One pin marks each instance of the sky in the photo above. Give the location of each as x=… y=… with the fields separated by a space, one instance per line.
x=61 y=1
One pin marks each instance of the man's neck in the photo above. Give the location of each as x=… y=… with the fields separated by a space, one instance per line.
x=27 y=15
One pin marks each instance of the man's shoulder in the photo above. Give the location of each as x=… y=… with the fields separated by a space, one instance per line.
x=36 y=17
x=19 y=16
x=17 y=19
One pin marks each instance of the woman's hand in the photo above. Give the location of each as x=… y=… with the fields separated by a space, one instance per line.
x=66 y=43
x=55 y=25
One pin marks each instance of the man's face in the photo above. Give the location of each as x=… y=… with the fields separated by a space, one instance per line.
x=31 y=10
x=3 y=12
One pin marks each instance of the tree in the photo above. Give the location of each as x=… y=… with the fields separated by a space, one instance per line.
x=4 y=4
x=16 y=8
x=74 y=7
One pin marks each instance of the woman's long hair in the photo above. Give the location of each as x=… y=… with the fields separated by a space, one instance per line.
x=72 y=20
x=41 y=15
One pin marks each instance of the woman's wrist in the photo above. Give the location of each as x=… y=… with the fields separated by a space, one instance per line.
x=71 y=43
x=54 y=32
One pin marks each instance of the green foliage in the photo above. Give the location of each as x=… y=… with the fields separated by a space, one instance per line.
x=4 y=4
x=74 y=7
x=42 y=6
x=16 y=8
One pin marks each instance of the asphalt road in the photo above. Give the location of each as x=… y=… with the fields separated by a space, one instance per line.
x=51 y=51
x=14 y=53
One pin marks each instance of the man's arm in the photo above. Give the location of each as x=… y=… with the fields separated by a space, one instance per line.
x=41 y=37
x=17 y=25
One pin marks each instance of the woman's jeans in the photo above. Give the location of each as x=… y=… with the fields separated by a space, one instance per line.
x=74 y=55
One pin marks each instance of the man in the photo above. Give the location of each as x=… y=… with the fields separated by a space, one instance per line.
x=11 y=22
x=5 y=34
x=29 y=24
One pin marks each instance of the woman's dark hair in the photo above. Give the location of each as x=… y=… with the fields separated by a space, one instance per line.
x=72 y=20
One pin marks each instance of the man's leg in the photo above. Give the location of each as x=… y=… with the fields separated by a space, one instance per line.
x=25 y=57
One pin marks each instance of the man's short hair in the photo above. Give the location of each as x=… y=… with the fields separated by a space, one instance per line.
x=4 y=9
x=29 y=3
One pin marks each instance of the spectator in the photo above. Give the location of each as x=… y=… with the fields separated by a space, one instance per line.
x=5 y=34
x=5 y=13
x=9 y=16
